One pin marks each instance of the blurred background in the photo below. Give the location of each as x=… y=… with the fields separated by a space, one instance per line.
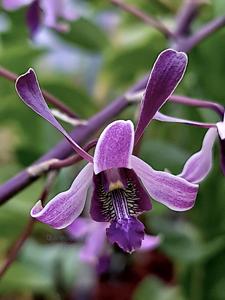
x=105 y=51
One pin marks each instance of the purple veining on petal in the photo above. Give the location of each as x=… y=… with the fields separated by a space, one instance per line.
x=128 y=233
x=114 y=146
x=64 y=208
x=33 y=17
x=150 y=242
x=28 y=89
x=165 y=118
x=222 y=156
x=14 y=4
x=128 y=199
x=199 y=164
x=174 y=192
x=166 y=73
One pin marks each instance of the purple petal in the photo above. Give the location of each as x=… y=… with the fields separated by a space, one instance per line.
x=221 y=128
x=56 y=9
x=114 y=146
x=222 y=155
x=64 y=208
x=150 y=242
x=14 y=4
x=165 y=118
x=94 y=243
x=33 y=17
x=126 y=233
x=79 y=228
x=166 y=73
x=170 y=190
x=106 y=205
x=29 y=91
x=198 y=165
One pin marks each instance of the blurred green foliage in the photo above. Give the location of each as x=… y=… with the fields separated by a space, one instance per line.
x=111 y=50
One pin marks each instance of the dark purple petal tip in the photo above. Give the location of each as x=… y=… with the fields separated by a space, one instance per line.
x=128 y=233
x=166 y=73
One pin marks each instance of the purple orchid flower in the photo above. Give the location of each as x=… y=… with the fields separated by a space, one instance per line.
x=93 y=234
x=205 y=157
x=53 y=10
x=122 y=183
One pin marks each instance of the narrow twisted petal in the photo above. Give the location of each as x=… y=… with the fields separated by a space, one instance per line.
x=222 y=156
x=199 y=164
x=14 y=4
x=64 y=208
x=114 y=147
x=165 y=118
x=166 y=73
x=28 y=89
x=173 y=191
x=150 y=242
x=127 y=233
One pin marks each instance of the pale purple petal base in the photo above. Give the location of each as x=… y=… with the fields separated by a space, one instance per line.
x=174 y=192
x=114 y=147
x=126 y=233
x=64 y=208
x=199 y=165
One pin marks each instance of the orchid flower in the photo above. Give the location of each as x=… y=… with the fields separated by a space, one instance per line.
x=122 y=183
x=53 y=10
x=93 y=234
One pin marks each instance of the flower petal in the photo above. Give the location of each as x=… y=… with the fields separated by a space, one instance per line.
x=198 y=165
x=222 y=156
x=14 y=4
x=166 y=73
x=29 y=91
x=64 y=208
x=114 y=147
x=170 y=190
x=165 y=118
x=94 y=243
x=126 y=233
x=150 y=242
x=33 y=17
x=79 y=228
x=221 y=128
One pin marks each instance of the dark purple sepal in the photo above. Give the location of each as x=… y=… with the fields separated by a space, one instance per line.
x=222 y=155
x=33 y=17
x=166 y=73
x=128 y=234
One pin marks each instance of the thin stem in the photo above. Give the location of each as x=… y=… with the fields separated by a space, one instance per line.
x=201 y=34
x=143 y=17
x=28 y=228
x=49 y=97
x=72 y=159
x=188 y=12
x=218 y=108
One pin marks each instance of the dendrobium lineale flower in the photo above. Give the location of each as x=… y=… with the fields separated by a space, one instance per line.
x=122 y=183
